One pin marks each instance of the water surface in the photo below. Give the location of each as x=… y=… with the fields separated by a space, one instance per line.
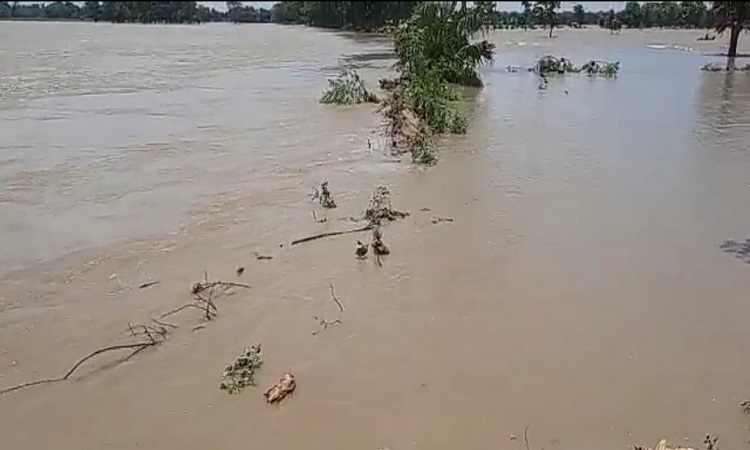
x=581 y=289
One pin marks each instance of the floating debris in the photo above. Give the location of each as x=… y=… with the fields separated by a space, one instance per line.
x=361 y=250
x=381 y=208
x=242 y=372
x=437 y=220
x=278 y=392
x=378 y=247
x=662 y=445
x=323 y=196
x=551 y=64
x=240 y=270
x=149 y=284
x=260 y=257
x=712 y=67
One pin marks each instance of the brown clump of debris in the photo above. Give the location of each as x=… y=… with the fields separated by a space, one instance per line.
x=662 y=445
x=323 y=196
x=381 y=208
x=378 y=247
x=278 y=392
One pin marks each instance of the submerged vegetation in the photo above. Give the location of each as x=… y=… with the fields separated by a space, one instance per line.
x=347 y=89
x=550 y=65
x=436 y=52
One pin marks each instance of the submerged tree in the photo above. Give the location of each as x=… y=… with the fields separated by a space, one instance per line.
x=439 y=38
x=435 y=49
x=732 y=16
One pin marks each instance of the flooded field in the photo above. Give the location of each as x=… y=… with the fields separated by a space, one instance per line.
x=583 y=289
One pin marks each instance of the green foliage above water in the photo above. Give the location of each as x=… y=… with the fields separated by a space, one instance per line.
x=436 y=50
x=347 y=89
x=242 y=372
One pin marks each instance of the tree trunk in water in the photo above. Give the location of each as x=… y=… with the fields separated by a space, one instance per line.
x=733 y=39
x=551 y=27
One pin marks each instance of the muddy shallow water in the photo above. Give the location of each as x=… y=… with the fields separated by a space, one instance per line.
x=580 y=290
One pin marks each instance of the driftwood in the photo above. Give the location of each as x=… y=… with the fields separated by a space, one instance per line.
x=260 y=257
x=149 y=284
x=150 y=335
x=155 y=336
x=285 y=386
x=379 y=209
x=329 y=234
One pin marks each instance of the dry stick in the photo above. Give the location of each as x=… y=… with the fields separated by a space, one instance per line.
x=330 y=233
x=164 y=324
x=526 y=436
x=333 y=296
x=210 y=303
x=139 y=346
x=176 y=310
x=324 y=324
x=212 y=284
x=315 y=218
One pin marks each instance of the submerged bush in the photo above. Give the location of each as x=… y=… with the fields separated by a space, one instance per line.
x=550 y=64
x=435 y=51
x=347 y=89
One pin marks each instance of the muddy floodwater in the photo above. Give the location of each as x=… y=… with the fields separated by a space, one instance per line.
x=581 y=289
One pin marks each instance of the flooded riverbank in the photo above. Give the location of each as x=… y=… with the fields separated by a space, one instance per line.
x=580 y=289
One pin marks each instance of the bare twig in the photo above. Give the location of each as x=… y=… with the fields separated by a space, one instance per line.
x=324 y=324
x=210 y=304
x=176 y=310
x=437 y=220
x=138 y=346
x=333 y=296
x=164 y=324
x=200 y=287
x=329 y=234
x=315 y=218
x=526 y=437
x=260 y=257
x=149 y=284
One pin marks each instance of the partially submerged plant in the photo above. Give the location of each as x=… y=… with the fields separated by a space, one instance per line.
x=603 y=68
x=381 y=208
x=323 y=196
x=347 y=89
x=423 y=150
x=242 y=372
x=550 y=65
x=436 y=50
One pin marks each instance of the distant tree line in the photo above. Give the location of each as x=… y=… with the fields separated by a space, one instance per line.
x=357 y=15
x=693 y=14
x=360 y=15
x=365 y=16
x=138 y=12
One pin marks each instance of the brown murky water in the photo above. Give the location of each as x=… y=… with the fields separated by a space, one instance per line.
x=580 y=290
